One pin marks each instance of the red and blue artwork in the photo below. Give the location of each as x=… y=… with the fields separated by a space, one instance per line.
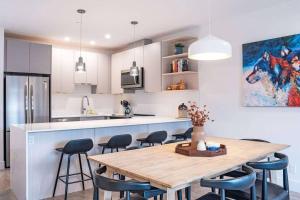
x=271 y=72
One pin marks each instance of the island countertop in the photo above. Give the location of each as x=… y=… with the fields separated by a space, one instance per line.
x=76 y=125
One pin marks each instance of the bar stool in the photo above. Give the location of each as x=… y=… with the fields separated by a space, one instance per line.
x=184 y=136
x=116 y=142
x=81 y=146
x=156 y=137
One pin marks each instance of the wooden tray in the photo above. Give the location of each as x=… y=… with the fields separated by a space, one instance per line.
x=186 y=149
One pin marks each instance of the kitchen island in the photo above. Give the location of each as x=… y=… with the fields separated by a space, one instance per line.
x=34 y=160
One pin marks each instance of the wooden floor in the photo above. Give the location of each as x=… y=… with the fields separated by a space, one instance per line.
x=6 y=193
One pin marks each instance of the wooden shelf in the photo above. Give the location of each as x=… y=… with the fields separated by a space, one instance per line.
x=179 y=73
x=182 y=55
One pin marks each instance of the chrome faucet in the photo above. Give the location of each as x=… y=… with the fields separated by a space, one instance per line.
x=83 y=107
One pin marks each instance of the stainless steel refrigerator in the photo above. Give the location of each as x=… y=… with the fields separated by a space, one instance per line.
x=26 y=100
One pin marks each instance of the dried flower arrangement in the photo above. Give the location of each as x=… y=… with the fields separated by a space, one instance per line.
x=199 y=116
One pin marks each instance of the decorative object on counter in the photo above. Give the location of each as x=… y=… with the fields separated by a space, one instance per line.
x=80 y=65
x=179 y=48
x=213 y=146
x=188 y=150
x=199 y=117
x=127 y=107
x=210 y=47
x=134 y=69
x=182 y=111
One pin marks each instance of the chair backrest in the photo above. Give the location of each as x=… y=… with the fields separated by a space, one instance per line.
x=188 y=133
x=78 y=146
x=241 y=183
x=118 y=185
x=255 y=140
x=157 y=137
x=119 y=141
x=281 y=163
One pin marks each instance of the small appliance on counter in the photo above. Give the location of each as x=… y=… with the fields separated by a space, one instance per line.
x=127 y=107
x=182 y=111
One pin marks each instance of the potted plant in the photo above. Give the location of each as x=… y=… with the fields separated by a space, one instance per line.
x=179 y=48
x=199 y=117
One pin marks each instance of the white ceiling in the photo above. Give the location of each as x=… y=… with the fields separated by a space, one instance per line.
x=55 y=19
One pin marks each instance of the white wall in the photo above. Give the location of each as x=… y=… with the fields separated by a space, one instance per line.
x=1 y=95
x=220 y=85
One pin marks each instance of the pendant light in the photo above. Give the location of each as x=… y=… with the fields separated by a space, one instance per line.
x=134 y=69
x=210 y=47
x=80 y=65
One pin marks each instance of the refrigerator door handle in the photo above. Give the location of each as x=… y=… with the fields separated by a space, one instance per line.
x=31 y=103
x=26 y=103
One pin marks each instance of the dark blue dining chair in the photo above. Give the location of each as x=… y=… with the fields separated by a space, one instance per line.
x=245 y=182
x=265 y=189
x=133 y=189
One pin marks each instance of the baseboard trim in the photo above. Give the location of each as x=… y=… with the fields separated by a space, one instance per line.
x=2 y=165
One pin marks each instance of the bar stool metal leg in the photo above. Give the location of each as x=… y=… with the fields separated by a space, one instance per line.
x=81 y=173
x=58 y=171
x=67 y=177
x=89 y=165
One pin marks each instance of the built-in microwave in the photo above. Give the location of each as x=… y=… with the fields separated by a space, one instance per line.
x=132 y=82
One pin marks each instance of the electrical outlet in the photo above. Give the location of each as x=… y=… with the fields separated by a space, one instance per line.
x=292 y=168
x=31 y=140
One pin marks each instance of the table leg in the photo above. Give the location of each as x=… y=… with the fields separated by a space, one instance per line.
x=106 y=195
x=171 y=194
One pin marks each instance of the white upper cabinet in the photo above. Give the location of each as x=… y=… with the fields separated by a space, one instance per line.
x=103 y=85
x=117 y=61
x=67 y=69
x=152 y=67
x=63 y=66
x=56 y=70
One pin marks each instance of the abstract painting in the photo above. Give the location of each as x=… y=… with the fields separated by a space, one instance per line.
x=271 y=72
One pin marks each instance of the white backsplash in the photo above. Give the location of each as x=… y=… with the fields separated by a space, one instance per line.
x=70 y=104
x=160 y=103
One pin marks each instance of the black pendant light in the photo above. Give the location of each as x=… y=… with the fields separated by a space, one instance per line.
x=134 y=69
x=80 y=65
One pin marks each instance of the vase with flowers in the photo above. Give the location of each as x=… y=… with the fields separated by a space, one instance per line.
x=199 y=117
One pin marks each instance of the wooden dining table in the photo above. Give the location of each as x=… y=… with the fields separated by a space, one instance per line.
x=170 y=171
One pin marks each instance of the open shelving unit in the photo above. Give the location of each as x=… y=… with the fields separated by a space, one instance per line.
x=190 y=77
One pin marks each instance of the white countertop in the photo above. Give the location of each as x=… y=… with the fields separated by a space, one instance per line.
x=60 y=126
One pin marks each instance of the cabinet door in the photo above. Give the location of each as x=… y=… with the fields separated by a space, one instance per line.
x=80 y=77
x=152 y=67
x=56 y=71
x=138 y=53
x=17 y=56
x=91 y=67
x=40 y=58
x=67 y=71
x=103 y=86
x=116 y=67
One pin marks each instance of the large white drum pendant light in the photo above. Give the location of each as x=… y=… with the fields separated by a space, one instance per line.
x=210 y=47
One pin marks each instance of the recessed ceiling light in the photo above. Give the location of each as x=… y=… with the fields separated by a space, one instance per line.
x=92 y=42
x=67 y=39
x=107 y=36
